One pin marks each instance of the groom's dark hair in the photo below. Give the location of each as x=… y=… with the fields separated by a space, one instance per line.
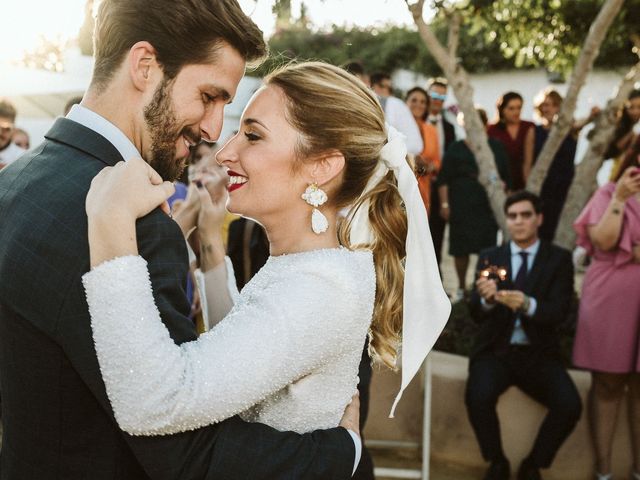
x=183 y=32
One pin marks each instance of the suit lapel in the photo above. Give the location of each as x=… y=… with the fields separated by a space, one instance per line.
x=84 y=139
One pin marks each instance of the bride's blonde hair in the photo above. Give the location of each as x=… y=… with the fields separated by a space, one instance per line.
x=333 y=110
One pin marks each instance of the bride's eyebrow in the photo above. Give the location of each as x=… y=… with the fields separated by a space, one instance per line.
x=251 y=121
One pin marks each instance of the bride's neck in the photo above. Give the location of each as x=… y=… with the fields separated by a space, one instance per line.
x=294 y=235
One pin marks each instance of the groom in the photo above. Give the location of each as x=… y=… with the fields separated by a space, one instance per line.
x=164 y=71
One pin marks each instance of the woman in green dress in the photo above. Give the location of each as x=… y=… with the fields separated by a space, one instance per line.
x=464 y=203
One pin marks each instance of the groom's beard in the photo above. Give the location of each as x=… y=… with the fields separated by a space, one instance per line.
x=164 y=131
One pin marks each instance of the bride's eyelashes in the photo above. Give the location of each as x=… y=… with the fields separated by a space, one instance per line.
x=252 y=137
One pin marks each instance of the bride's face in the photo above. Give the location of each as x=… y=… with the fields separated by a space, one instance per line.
x=264 y=185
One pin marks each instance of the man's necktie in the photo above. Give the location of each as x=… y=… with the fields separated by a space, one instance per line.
x=521 y=276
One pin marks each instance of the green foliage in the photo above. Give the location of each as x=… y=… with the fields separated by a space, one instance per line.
x=550 y=33
x=494 y=35
x=383 y=49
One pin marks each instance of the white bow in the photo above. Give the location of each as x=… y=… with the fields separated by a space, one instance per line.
x=426 y=307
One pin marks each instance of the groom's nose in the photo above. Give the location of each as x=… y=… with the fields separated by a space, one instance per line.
x=211 y=123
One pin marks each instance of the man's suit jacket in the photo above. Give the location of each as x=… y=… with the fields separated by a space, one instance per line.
x=550 y=282
x=58 y=423
x=449 y=133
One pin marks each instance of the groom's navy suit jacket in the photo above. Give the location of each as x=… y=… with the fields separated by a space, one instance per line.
x=58 y=423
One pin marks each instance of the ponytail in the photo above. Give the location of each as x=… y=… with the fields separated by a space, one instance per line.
x=389 y=227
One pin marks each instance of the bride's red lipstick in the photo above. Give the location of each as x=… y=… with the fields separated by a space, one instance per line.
x=235 y=181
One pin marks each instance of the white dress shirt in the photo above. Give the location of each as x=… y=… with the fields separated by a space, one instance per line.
x=104 y=127
x=127 y=149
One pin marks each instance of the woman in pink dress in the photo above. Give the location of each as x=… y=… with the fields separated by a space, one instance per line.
x=608 y=333
x=516 y=135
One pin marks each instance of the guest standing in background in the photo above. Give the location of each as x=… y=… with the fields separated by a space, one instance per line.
x=465 y=205
x=628 y=117
x=560 y=174
x=396 y=112
x=437 y=89
x=427 y=163
x=516 y=135
x=9 y=151
x=21 y=138
x=608 y=333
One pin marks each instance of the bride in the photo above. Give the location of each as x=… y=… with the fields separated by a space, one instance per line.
x=312 y=142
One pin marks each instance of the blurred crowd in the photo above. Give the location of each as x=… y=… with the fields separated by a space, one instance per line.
x=523 y=288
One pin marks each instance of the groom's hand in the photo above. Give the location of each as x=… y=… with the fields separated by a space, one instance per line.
x=351 y=418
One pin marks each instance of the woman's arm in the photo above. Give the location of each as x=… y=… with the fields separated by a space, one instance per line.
x=443 y=193
x=605 y=234
x=157 y=387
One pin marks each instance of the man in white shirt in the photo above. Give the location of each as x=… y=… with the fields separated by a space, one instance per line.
x=396 y=112
x=9 y=151
x=523 y=293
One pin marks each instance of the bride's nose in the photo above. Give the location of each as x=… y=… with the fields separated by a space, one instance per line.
x=227 y=153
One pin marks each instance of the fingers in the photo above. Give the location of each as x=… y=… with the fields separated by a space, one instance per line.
x=351 y=418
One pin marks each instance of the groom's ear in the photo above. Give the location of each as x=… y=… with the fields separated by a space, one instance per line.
x=328 y=167
x=144 y=69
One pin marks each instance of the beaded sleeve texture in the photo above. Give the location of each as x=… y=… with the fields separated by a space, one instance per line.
x=286 y=355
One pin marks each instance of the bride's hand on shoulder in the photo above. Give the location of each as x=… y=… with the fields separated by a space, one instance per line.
x=127 y=191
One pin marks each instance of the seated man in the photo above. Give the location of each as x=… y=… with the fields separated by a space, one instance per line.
x=516 y=345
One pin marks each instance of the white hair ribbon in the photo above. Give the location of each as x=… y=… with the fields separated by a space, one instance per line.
x=426 y=307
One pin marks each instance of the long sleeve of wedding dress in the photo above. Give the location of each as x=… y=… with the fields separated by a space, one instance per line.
x=285 y=355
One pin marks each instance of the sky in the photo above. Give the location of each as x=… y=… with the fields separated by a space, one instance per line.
x=25 y=21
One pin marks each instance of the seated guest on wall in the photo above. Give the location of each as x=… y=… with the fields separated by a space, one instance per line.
x=523 y=292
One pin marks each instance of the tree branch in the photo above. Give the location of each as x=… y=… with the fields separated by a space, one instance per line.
x=584 y=181
x=561 y=127
x=453 y=39
x=476 y=134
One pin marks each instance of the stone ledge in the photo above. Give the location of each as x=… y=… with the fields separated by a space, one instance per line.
x=452 y=439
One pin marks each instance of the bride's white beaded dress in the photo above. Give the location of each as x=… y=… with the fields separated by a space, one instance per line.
x=286 y=355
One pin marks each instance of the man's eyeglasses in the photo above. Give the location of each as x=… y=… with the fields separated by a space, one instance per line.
x=437 y=96
x=524 y=215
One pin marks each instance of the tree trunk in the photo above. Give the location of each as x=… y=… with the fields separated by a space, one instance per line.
x=584 y=183
x=583 y=66
x=461 y=85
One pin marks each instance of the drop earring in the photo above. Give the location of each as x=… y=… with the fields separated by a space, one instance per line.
x=315 y=197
